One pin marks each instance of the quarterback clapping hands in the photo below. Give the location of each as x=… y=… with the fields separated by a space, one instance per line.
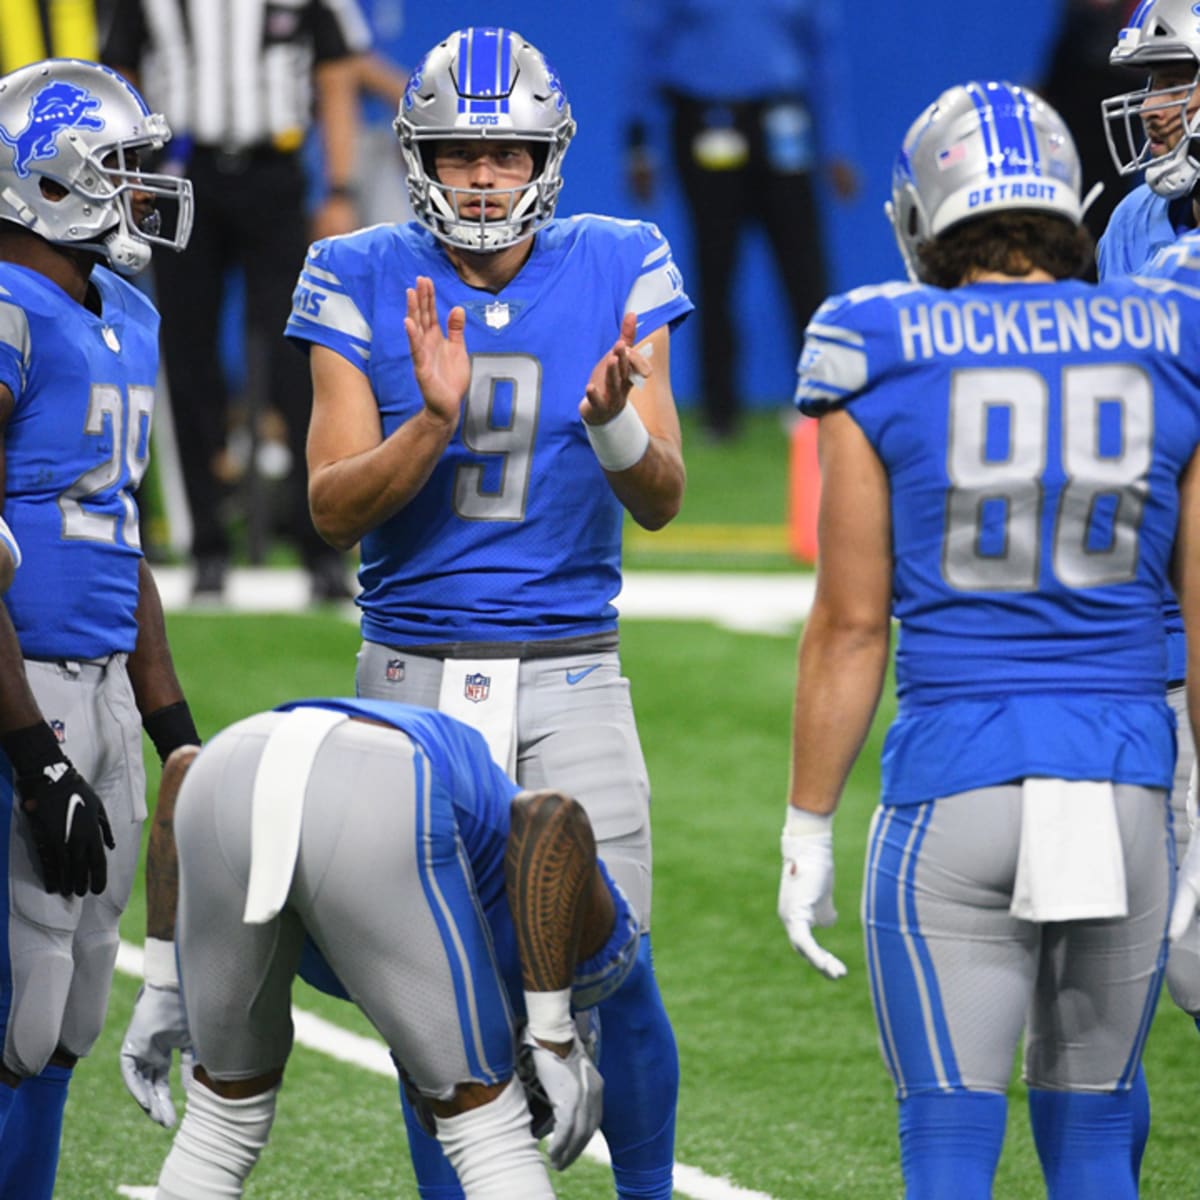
x=615 y=375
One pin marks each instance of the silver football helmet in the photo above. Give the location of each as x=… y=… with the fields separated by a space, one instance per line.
x=69 y=131
x=1159 y=33
x=484 y=83
x=981 y=148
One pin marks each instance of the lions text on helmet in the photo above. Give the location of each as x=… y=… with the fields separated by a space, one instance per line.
x=1155 y=128
x=484 y=126
x=71 y=138
x=980 y=148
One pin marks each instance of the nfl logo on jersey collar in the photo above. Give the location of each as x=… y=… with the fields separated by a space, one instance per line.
x=110 y=339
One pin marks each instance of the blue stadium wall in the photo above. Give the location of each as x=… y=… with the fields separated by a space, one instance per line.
x=902 y=55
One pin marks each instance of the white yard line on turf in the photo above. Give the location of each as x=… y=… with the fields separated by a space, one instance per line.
x=740 y=602
x=326 y=1038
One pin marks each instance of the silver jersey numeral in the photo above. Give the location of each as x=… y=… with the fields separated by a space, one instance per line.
x=992 y=536
x=500 y=419
x=130 y=435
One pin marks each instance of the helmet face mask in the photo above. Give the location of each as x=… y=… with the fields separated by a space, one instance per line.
x=981 y=148
x=1162 y=37
x=71 y=136
x=484 y=84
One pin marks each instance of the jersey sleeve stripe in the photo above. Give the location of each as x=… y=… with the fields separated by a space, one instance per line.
x=836 y=333
x=14 y=332
x=320 y=275
x=653 y=289
x=660 y=251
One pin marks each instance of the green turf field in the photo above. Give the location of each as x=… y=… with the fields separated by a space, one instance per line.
x=783 y=1091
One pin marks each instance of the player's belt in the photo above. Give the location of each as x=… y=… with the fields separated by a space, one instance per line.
x=588 y=643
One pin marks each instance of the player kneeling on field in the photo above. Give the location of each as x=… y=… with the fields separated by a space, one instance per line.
x=376 y=847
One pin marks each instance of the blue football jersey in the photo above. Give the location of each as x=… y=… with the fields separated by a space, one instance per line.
x=75 y=448
x=1141 y=227
x=516 y=536
x=1033 y=436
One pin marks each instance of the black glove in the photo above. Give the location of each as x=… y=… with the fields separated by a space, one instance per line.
x=67 y=819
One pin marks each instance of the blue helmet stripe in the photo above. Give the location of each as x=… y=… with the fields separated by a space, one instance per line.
x=1008 y=133
x=975 y=91
x=1025 y=109
x=485 y=63
x=1138 y=19
x=1012 y=130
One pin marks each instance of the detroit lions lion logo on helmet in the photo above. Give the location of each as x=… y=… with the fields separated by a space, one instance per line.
x=556 y=87
x=59 y=105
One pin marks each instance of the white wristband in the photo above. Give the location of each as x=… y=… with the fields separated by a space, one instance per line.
x=9 y=539
x=799 y=822
x=549 y=1015
x=620 y=443
x=158 y=964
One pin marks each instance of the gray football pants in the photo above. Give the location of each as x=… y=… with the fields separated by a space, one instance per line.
x=955 y=979
x=382 y=887
x=1183 y=966
x=578 y=737
x=62 y=951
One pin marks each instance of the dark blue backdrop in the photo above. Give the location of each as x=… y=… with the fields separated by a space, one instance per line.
x=902 y=55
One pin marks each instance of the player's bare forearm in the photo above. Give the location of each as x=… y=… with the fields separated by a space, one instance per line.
x=18 y=708
x=151 y=669
x=548 y=869
x=1185 y=577
x=652 y=489
x=357 y=478
x=844 y=650
x=839 y=680
x=162 y=858
x=352 y=496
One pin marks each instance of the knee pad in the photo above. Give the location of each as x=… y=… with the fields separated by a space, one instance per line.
x=217 y=1144
x=492 y=1150
x=94 y=961
x=35 y=1020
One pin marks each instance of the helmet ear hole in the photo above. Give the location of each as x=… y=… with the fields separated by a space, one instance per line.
x=913 y=221
x=51 y=189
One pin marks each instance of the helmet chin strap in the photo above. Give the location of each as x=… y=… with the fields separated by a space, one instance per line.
x=126 y=255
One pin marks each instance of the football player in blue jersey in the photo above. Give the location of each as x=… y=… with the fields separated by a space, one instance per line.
x=78 y=361
x=491 y=394
x=1151 y=130
x=487 y=905
x=1009 y=470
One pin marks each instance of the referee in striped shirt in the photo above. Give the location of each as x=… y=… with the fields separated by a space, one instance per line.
x=237 y=80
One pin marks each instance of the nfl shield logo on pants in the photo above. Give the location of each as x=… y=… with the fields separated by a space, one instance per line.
x=477 y=687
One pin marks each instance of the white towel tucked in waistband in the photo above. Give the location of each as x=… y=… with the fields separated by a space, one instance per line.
x=482 y=693
x=277 y=807
x=1071 y=865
